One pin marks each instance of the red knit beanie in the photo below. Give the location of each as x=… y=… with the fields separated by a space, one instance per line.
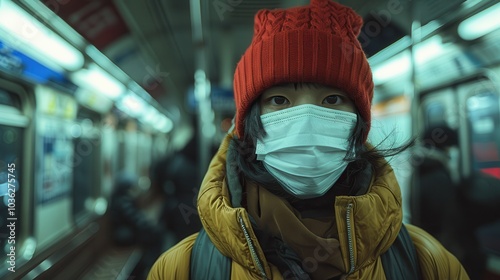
x=310 y=44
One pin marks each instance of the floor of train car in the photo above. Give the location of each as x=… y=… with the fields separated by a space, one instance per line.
x=115 y=263
x=123 y=262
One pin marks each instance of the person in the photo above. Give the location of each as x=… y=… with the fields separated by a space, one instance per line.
x=435 y=196
x=130 y=225
x=295 y=191
x=435 y=204
x=449 y=206
x=178 y=184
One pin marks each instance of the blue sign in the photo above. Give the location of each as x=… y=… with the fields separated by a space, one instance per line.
x=17 y=63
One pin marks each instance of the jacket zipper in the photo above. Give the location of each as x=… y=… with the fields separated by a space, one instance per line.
x=252 y=248
x=349 y=238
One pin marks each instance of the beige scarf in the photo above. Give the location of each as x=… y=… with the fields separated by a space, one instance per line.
x=314 y=240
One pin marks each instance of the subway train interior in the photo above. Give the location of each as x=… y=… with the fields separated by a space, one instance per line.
x=110 y=112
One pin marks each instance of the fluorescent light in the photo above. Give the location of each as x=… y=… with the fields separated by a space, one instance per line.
x=95 y=78
x=36 y=40
x=155 y=119
x=396 y=66
x=150 y=115
x=164 y=124
x=132 y=104
x=428 y=49
x=480 y=24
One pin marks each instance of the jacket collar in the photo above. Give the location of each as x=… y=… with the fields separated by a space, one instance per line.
x=228 y=227
x=375 y=218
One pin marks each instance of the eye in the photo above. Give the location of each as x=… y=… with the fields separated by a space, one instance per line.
x=279 y=100
x=333 y=100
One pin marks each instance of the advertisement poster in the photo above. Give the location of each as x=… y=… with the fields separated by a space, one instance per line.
x=55 y=161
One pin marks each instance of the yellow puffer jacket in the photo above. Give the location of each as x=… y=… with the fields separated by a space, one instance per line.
x=375 y=222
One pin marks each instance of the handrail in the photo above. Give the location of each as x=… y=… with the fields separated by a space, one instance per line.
x=478 y=75
x=63 y=251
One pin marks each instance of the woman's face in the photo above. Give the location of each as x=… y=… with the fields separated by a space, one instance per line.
x=285 y=96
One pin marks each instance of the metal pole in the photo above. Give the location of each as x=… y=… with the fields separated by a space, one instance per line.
x=205 y=117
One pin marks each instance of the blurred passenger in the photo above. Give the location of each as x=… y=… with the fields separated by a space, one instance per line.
x=435 y=199
x=130 y=225
x=295 y=191
x=450 y=208
x=177 y=176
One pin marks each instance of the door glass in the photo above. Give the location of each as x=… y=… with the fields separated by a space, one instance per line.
x=483 y=117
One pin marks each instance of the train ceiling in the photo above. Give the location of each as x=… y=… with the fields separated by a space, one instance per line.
x=152 y=40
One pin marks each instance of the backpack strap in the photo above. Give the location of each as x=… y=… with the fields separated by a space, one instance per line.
x=400 y=261
x=207 y=262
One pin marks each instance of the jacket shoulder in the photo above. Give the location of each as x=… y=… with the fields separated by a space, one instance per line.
x=435 y=261
x=174 y=263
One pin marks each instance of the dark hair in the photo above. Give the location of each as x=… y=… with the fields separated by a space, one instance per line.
x=441 y=136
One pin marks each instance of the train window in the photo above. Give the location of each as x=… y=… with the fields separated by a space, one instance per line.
x=10 y=100
x=11 y=143
x=86 y=162
x=435 y=114
x=483 y=117
x=438 y=107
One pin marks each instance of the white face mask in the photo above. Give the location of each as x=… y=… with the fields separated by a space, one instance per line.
x=305 y=146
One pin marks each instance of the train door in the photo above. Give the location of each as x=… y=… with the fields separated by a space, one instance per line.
x=56 y=113
x=472 y=106
x=16 y=111
x=479 y=103
x=86 y=163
